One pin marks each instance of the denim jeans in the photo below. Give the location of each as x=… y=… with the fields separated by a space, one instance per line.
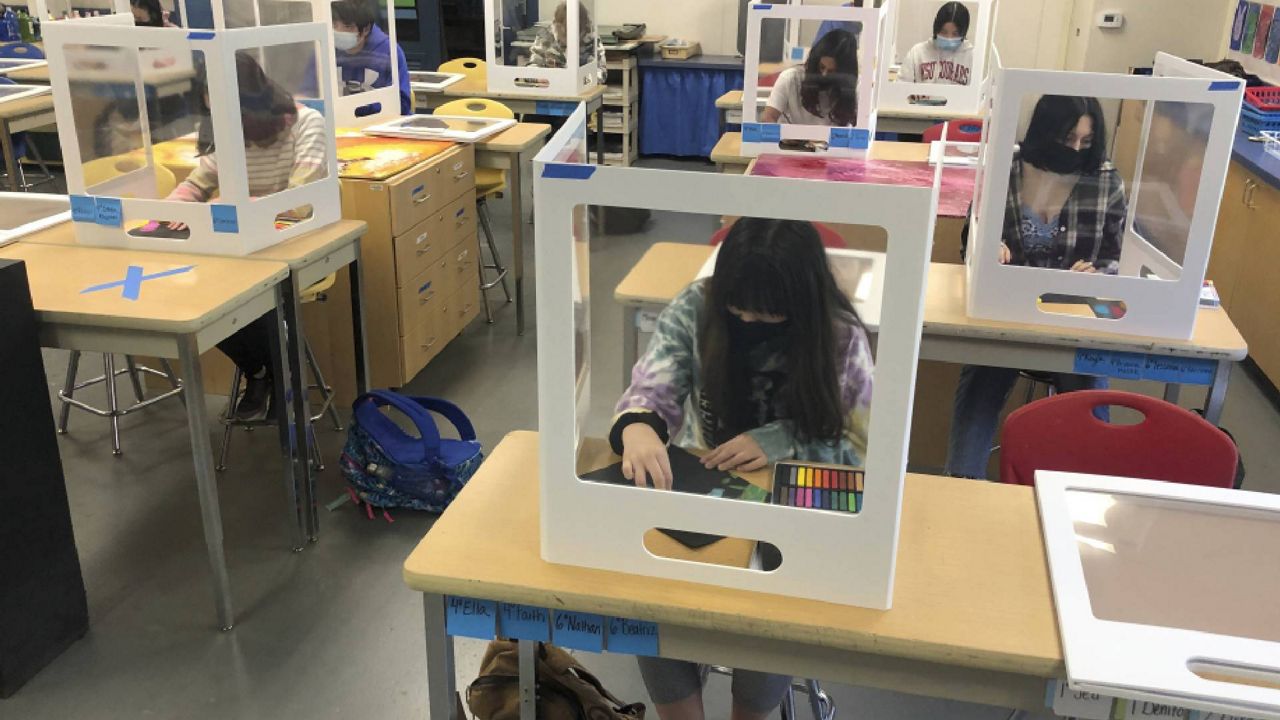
x=980 y=397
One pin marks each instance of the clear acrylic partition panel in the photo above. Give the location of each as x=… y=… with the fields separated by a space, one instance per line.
x=586 y=32
x=362 y=68
x=782 y=65
x=285 y=12
x=1133 y=546
x=63 y=9
x=124 y=101
x=915 y=26
x=29 y=208
x=284 y=136
x=515 y=32
x=855 y=261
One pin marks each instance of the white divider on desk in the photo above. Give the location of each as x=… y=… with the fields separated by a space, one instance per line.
x=508 y=57
x=1156 y=555
x=1161 y=293
x=108 y=210
x=966 y=100
x=855 y=141
x=602 y=526
x=54 y=10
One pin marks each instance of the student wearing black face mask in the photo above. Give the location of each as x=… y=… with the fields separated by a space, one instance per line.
x=1065 y=210
x=766 y=360
x=822 y=92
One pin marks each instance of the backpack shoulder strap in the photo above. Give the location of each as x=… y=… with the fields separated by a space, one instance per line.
x=450 y=412
x=365 y=409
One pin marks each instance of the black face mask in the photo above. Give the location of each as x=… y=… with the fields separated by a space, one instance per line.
x=1055 y=158
x=749 y=334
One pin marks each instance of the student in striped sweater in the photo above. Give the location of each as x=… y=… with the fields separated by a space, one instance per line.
x=284 y=147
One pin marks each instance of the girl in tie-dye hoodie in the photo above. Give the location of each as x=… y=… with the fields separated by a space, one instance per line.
x=766 y=360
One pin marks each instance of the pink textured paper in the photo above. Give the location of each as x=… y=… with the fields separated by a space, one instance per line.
x=953 y=198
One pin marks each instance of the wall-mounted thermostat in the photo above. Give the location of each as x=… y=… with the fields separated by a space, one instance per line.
x=1111 y=19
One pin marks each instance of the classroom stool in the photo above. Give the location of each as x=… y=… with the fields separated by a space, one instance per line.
x=109 y=374
x=489 y=183
x=820 y=704
x=1036 y=379
x=315 y=293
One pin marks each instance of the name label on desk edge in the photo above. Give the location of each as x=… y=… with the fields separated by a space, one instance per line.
x=1138 y=366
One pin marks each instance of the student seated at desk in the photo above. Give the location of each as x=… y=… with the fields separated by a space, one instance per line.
x=364 y=51
x=1065 y=210
x=148 y=13
x=947 y=57
x=824 y=91
x=548 y=49
x=284 y=148
x=766 y=360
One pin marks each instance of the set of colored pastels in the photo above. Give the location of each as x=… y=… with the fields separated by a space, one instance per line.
x=821 y=487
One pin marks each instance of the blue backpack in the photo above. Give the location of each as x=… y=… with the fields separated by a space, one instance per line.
x=385 y=467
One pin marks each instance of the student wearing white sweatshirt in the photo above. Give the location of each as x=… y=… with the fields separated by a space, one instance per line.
x=947 y=57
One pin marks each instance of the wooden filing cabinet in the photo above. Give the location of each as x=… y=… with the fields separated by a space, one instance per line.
x=420 y=262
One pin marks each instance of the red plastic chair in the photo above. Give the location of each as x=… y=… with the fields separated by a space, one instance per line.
x=1061 y=433
x=830 y=238
x=957 y=131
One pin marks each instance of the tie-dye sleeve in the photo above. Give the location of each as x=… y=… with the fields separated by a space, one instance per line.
x=663 y=378
x=778 y=439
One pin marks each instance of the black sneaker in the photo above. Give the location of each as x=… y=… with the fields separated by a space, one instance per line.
x=255 y=401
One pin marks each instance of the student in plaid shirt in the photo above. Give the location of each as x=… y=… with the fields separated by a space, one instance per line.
x=1066 y=211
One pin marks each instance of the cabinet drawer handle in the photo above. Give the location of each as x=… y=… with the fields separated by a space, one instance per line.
x=461 y=176
x=463 y=312
x=429 y=345
x=424 y=198
x=1250 y=188
x=424 y=299
x=462 y=256
x=424 y=250
x=459 y=165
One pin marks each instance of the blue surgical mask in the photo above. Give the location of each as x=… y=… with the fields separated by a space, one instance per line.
x=948 y=44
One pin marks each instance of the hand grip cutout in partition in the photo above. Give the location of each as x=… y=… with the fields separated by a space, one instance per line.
x=671 y=544
x=1081 y=305
x=1235 y=673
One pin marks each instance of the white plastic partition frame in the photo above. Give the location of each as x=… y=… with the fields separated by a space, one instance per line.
x=895 y=95
x=1146 y=657
x=602 y=526
x=56 y=10
x=758 y=137
x=1156 y=307
x=234 y=223
x=578 y=74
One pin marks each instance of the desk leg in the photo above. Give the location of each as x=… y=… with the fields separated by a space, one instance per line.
x=525 y=649
x=630 y=342
x=298 y=404
x=441 y=688
x=206 y=481
x=517 y=235
x=10 y=159
x=1218 y=392
x=600 y=135
x=355 y=272
x=1171 y=392
x=288 y=459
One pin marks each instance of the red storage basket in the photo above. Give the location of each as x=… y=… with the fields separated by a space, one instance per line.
x=1263 y=98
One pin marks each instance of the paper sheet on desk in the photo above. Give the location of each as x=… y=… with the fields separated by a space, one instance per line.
x=859 y=273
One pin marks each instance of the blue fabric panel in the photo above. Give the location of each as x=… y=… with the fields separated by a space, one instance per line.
x=678 y=113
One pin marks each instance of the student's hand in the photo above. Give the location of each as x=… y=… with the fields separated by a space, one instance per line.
x=1084 y=266
x=1005 y=255
x=740 y=453
x=644 y=457
x=176 y=226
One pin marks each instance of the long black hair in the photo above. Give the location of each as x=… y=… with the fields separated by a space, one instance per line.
x=155 y=15
x=776 y=267
x=952 y=12
x=841 y=86
x=1054 y=117
x=266 y=108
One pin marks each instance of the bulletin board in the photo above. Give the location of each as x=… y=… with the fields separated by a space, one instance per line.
x=1255 y=38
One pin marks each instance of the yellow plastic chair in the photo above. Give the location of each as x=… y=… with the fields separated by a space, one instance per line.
x=96 y=172
x=489 y=183
x=473 y=68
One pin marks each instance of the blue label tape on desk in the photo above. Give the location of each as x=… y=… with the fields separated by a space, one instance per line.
x=521 y=622
x=467 y=617
x=225 y=219
x=854 y=138
x=83 y=209
x=632 y=637
x=1125 y=366
x=1184 y=371
x=770 y=132
x=108 y=211
x=751 y=132
x=554 y=107
x=579 y=631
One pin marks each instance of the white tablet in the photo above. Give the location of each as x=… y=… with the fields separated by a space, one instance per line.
x=24 y=213
x=17 y=92
x=433 y=81
x=8 y=65
x=441 y=127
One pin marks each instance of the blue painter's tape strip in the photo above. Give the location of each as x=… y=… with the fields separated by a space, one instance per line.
x=554 y=107
x=83 y=209
x=578 y=631
x=1224 y=85
x=797 y=53
x=317 y=105
x=860 y=140
x=225 y=218
x=1181 y=370
x=841 y=137
x=751 y=132
x=770 y=132
x=199 y=35
x=759 y=6
x=467 y=617
x=425 y=287
x=521 y=622
x=567 y=171
x=108 y=211
x=632 y=637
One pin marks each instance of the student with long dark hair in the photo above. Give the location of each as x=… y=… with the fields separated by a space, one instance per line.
x=824 y=91
x=766 y=360
x=148 y=13
x=947 y=57
x=1065 y=210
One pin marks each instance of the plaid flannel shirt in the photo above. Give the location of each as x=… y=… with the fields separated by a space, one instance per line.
x=1091 y=226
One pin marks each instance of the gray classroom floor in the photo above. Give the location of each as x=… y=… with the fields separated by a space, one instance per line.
x=333 y=632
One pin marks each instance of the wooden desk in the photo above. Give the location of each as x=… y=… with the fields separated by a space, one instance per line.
x=18 y=116
x=521 y=102
x=30 y=76
x=949 y=334
x=972 y=615
x=727 y=154
x=176 y=316
x=913 y=120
